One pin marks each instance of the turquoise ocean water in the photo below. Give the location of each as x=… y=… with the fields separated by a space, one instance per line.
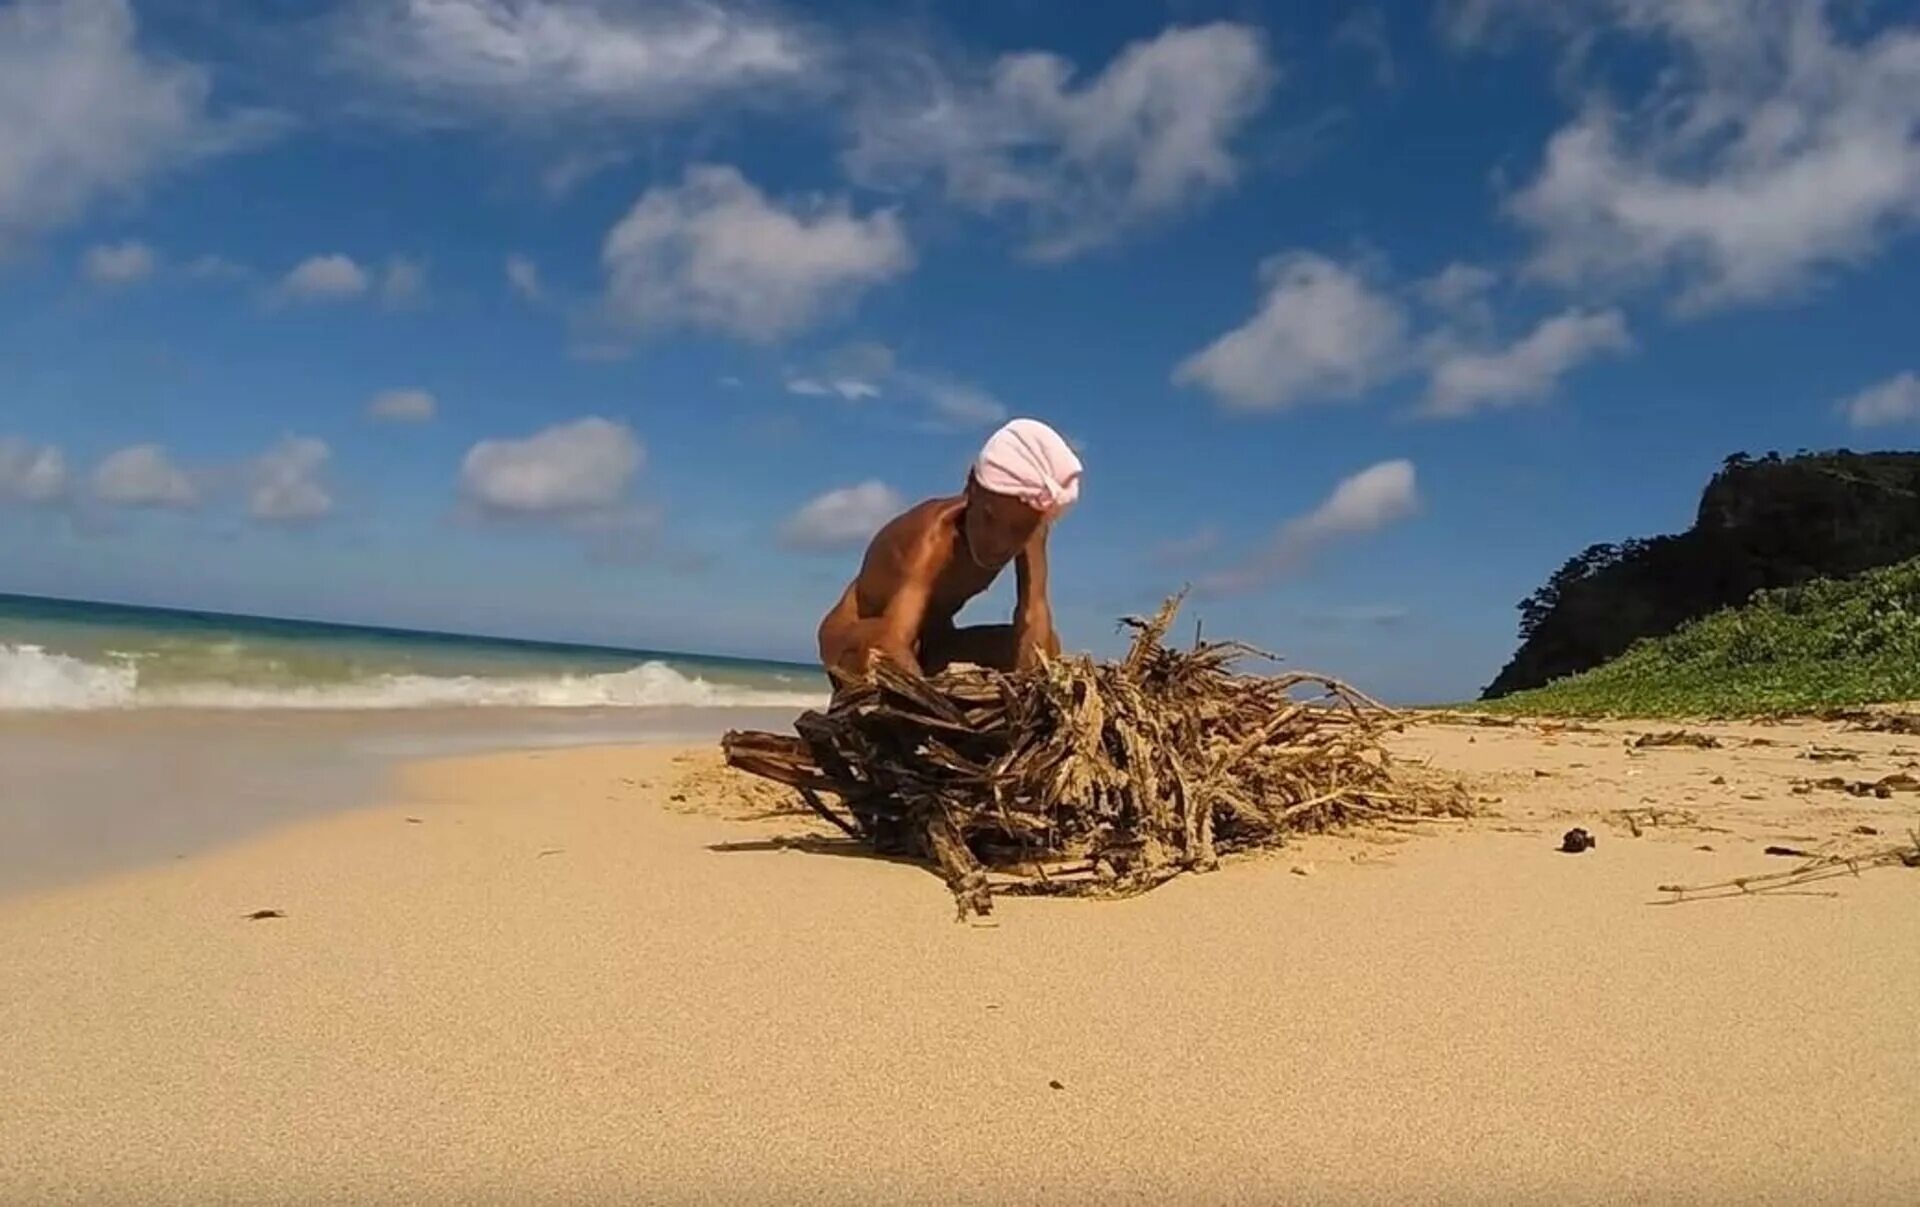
x=61 y=655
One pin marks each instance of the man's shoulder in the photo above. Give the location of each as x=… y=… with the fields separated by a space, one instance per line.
x=921 y=529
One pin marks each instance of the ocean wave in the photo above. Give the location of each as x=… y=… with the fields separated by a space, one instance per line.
x=33 y=678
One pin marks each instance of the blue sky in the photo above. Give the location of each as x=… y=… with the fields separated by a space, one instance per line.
x=627 y=321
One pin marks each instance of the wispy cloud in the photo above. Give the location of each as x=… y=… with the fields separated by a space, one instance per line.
x=31 y=473
x=842 y=519
x=144 y=476
x=1322 y=331
x=86 y=115
x=531 y=63
x=1375 y=498
x=866 y=371
x=1465 y=380
x=117 y=264
x=715 y=252
x=1081 y=161
x=285 y=484
x=404 y=285
x=523 y=275
x=1327 y=332
x=572 y=468
x=324 y=278
x=1365 y=32
x=1895 y=400
x=402 y=406
x=1769 y=151
x=576 y=478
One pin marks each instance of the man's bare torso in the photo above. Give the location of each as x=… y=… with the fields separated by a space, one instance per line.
x=918 y=573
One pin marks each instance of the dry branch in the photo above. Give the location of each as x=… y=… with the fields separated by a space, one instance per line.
x=1091 y=778
x=1815 y=869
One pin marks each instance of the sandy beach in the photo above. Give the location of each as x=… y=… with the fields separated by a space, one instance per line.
x=622 y=973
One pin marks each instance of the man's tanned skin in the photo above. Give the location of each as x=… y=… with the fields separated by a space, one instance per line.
x=922 y=568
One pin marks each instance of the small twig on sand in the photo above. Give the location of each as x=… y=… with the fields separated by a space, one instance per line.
x=1818 y=868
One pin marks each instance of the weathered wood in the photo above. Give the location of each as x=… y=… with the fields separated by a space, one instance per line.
x=1128 y=772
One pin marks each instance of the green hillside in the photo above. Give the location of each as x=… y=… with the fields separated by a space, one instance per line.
x=1823 y=644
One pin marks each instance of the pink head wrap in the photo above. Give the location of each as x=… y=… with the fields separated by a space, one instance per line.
x=1031 y=462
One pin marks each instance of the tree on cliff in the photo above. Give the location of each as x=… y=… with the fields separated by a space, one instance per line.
x=1767 y=521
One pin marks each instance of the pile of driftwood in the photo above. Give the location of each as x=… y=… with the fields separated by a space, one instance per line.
x=1090 y=778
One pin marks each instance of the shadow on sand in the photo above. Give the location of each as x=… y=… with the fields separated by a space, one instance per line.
x=814 y=844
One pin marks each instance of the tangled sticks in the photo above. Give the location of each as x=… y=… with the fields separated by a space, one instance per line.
x=1089 y=778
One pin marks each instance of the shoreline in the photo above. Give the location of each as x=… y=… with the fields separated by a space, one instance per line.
x=86 y=792
x=561 y=983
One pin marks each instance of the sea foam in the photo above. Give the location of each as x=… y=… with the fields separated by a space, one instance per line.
x=35 y=679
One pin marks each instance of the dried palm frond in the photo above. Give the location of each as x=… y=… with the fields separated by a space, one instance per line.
x=1087 y=777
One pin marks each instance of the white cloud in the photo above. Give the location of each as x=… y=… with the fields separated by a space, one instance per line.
x=402 y=406
x=85 y=116
x=715 y=252
x=853 y=389
x=1376 y=497
x=855 y=372
x=143 y=476
x=405 y=284
x=530 y=61
x=863 y=371
x=523 y=275
x=1321 y=332
x=31 y=473
x=1460 y=293
x=117 y=263
x=1148 y=136
x=955 y=403
x=1465 y=380
x=283 y=483
x=843 y=519
x=1769 y=152
x=571 y=469
x=1895 y=400
x=325 y=278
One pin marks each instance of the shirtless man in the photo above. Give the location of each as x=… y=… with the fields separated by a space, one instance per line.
x=923 y=567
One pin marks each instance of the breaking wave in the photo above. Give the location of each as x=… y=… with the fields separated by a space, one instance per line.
x=33 y=678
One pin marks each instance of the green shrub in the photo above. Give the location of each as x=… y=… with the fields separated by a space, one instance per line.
x=1829 y=643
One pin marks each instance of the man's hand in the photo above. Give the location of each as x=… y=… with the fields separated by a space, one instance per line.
x=901 y=656
x=1034 y=641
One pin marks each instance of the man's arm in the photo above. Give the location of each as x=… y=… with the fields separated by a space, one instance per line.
x=1032 y=610
x=900 y=623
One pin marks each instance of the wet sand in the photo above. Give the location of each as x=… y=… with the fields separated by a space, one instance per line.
x=89 y=792
x=608 y=974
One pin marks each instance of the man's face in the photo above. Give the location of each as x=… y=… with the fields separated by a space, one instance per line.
x=998 y=526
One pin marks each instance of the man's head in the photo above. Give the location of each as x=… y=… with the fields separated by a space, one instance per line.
x=1024 y=476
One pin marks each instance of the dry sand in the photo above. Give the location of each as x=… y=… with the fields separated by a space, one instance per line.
x=538 y=977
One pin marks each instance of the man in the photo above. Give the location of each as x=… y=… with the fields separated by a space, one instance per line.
x=925 y=564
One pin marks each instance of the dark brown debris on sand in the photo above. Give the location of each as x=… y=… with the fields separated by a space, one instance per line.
x=1883 y=788
x=1830 y=754
x=1093 y=778
x=1871 y=721
x=1676 y=737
